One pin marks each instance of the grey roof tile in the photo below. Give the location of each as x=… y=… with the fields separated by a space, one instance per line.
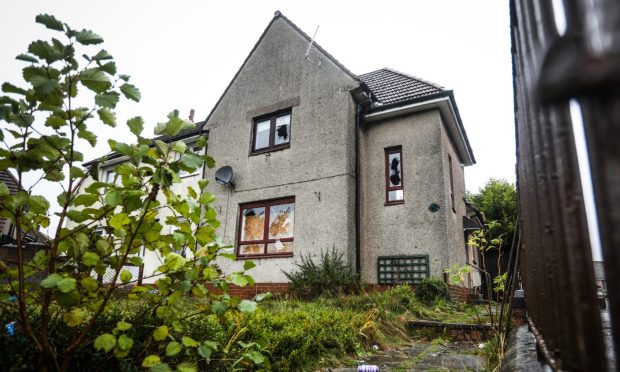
x=392 y=87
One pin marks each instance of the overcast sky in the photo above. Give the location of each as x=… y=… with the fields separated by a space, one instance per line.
x=183 y=54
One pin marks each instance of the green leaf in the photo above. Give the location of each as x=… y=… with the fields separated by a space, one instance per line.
x=119 y=220
x=67 y=300
x=43 y=50
x=10 y=88
x=179 y=146
x=106 y=342
x=95 y=80
x=151 y=361
x=174 y=262
x=66 y=285
x=160 y=333
x=90 y=258
x=263 y=296
x=107 y=116
x=255 y=357
x=219 y=308
x=186 y=367
x=108 y=100
x=77 y=216
x=189 y=342
x=205 y=352
x=238 y=279
x=109 y=68
x=76 y=172
x=131 y=92
x=55 y=122
x=173 y=348
x=86 y=200
x=27 y=58
x=125 y=276
x=163 y=367
x=102 y=55
x=75 y=317
x=51 y=281
x=247 y=265
x=89 y=283
x=246 y=306
x=4 y=190
x=191 y=160
x=136 y=125
x=113 y=198
x=124 y=342
x=87 y=37
x=50 y=22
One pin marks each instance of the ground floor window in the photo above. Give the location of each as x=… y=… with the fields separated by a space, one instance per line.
x=266 y=228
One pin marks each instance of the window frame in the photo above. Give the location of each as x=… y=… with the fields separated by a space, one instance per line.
x=389 y=151
x=267 y=204
x=272 y=130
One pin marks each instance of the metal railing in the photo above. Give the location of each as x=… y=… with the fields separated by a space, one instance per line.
x=556 y=260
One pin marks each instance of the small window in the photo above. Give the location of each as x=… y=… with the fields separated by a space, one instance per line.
x=110 y=174
x=271 y=132
x=451 y=184
x=394 y=193
x=266 y=228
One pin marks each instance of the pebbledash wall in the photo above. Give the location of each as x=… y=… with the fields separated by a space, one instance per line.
x=318 y=167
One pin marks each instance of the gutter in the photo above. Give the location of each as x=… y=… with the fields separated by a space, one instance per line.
x=358 y=122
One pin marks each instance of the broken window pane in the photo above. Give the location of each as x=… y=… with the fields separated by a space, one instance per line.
x=253 y=224
x=282 y=133
x=395 y=174
x=251 y=249
x=395 y=195
x=262 y=135
x=281 y=221
x=280 y=247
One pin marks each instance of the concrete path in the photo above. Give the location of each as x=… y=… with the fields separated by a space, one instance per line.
x=425 y=356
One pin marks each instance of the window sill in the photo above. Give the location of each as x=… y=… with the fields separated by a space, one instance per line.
x=394 y=202
x=272 y=149
x=261 y=256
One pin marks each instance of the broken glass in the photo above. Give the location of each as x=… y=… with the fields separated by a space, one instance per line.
x=280 y=247
x=262 y=134
x=395 y=175
x=281 y=219
x=253 y=224
x=282 y=134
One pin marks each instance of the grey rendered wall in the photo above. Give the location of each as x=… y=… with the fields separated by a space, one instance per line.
x=409 y=228
x=454 y=218
x=319 y=162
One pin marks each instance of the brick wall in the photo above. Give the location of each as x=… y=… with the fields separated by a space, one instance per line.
x=459 y=293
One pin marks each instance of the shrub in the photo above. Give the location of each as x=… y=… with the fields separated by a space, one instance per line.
x=432 y=290
x=329 y=277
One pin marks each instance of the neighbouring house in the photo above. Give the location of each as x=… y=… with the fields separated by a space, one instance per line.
x=34 y=240
x=371 y=165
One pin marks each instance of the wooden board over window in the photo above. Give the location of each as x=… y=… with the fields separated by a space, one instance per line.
x=266 y=228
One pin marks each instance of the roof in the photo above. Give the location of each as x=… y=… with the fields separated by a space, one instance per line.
x=391 y=87
x=9 y=180
x=185 y=133
x=279 y=15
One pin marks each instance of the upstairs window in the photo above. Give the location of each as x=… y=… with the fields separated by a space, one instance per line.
x=266 y=228
x=271 y=132
x=394 y=176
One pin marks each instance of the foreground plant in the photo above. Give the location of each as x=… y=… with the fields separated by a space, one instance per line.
x=44 y=124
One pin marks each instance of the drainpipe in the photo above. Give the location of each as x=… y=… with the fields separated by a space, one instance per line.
x=358 y=121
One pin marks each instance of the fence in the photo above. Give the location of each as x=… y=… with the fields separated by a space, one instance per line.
x=556 y=261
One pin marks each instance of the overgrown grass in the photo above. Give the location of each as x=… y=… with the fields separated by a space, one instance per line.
x=292 y=334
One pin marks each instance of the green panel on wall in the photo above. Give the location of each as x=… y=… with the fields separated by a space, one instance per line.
x=402 y=269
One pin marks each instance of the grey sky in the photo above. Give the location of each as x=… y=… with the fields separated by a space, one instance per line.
x=183 y=54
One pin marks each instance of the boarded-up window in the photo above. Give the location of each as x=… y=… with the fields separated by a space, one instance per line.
x=266 y=228
x=394 y=192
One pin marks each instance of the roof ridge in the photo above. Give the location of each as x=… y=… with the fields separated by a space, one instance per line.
x=414 y=77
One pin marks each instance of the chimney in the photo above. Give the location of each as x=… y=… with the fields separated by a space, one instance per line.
x=191 y=115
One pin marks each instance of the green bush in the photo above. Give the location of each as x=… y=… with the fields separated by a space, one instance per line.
x=330 y=277
x=432 y=290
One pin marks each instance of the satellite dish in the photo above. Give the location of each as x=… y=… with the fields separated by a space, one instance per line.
x=224 y=176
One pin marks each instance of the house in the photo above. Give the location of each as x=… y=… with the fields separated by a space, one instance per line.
x=371 y=164
x=34 y=240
